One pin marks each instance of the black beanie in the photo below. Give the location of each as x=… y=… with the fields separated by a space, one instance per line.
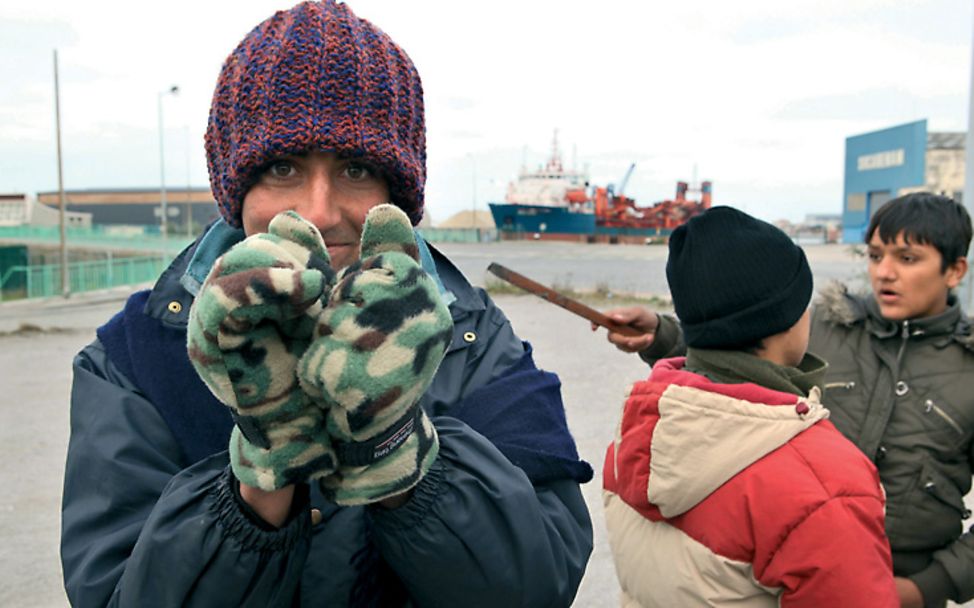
x=735 y=279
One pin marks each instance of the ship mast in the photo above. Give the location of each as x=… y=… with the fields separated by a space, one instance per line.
x=554 y=163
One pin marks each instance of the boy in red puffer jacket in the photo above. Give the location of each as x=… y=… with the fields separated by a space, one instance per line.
x=726 y=484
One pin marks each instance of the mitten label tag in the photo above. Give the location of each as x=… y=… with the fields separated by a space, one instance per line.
x=395 y=440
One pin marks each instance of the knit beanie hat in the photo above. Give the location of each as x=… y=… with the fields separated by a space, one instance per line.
x=317 y=78
x=735 y=279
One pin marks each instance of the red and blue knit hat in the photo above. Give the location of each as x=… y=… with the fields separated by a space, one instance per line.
x=317 y=78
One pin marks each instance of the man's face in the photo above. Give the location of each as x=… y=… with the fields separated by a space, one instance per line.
x=907 y=280
x=332 y=192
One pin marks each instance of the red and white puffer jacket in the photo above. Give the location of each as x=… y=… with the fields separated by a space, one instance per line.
x=738 y=495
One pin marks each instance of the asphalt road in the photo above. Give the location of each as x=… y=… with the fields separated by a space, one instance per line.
x=35 y=388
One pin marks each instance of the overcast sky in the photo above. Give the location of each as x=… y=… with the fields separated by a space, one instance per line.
x=756 y=95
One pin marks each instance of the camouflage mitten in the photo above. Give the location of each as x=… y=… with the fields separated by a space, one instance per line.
x=377 y=345
x=249 y=326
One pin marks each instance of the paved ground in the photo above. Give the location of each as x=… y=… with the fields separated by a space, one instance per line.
x=35 y=388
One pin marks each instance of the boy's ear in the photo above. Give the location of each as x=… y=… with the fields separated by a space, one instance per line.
x=955 y=272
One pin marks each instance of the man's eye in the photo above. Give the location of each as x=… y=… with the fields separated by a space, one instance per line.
x=874 y=257
x=281 y=169
x=357 y=172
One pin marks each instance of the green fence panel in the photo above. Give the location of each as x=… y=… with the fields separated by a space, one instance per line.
x=42 y=281
x=459 y=235
x=12 y=256
x=140 y=238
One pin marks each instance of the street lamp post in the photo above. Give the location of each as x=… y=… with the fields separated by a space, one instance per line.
x=968 y=196
x=164 y=225
x=65 y=278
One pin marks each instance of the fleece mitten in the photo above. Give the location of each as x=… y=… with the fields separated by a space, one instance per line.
x=377 y=344
x=250 y=324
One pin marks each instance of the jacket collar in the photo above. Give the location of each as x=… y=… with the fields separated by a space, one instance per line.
x=937 y=325
x=843 y=308
x=733 y=367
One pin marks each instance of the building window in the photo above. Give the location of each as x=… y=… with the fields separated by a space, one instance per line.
x=856 y=202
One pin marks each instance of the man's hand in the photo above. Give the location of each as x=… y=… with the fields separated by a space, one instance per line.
x=637 y=317
x=910 y=595
x=248 y=327
x=377 y=345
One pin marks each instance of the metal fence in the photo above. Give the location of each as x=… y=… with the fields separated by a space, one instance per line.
x=132 y=238
x=44 y=280
x=40 y=281
x=459 y=235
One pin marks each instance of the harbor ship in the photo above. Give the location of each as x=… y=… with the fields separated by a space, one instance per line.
x=554 y=203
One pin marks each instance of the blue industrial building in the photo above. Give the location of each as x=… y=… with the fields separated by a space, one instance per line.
x=884 y=164
x=877 y=166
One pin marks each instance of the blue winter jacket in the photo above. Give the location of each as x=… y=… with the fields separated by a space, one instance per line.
x=151 y=513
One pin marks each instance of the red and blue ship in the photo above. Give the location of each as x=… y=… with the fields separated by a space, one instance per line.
x=553 y=203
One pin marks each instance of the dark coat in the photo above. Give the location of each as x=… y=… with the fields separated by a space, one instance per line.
x=902 y=392
x=152 y=516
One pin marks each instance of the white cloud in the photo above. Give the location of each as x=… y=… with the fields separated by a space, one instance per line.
x=757 y=94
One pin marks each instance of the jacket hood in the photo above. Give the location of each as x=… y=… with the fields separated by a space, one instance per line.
x=708 y=432
x=841 y=307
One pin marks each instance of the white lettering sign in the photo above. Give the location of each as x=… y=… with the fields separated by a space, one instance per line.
x=881 y=160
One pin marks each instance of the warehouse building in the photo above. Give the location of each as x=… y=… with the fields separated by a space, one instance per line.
x=884 y=164
x=188 y=209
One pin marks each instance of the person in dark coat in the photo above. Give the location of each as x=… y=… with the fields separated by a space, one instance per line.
x=227 y=450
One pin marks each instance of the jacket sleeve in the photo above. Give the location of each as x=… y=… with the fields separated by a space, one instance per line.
x=837 y=556
x=138 y=530
x=951 y=573
x=477 y=533
x=667 y=343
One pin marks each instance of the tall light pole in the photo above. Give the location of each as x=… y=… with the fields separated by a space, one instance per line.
x=65 y=278
x=164 y=226
x=968 y=196
x=473 y=184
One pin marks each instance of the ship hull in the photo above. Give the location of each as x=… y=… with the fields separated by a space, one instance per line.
x=540 y=222
x=540 y=219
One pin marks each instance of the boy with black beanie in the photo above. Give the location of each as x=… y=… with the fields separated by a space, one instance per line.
x=726 y=484
x=901 y=361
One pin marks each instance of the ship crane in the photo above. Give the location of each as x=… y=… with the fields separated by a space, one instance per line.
x=625 y=179
x=611 y=189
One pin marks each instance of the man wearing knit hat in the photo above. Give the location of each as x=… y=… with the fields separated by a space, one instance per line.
x=726 y=484
x=312 y=406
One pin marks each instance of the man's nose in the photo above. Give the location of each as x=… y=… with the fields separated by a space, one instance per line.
x=319 y=205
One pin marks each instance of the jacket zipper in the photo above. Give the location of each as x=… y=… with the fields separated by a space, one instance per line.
x=846 y=385
x=900 y=388
x=931 y=406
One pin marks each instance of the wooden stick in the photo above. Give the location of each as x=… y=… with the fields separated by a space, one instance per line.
x=569 y=304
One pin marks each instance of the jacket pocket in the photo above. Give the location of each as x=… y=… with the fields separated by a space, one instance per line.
x=942 y=489
x=942 y=420
x=930 y=406
x=843 y=398
x=929 y=515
